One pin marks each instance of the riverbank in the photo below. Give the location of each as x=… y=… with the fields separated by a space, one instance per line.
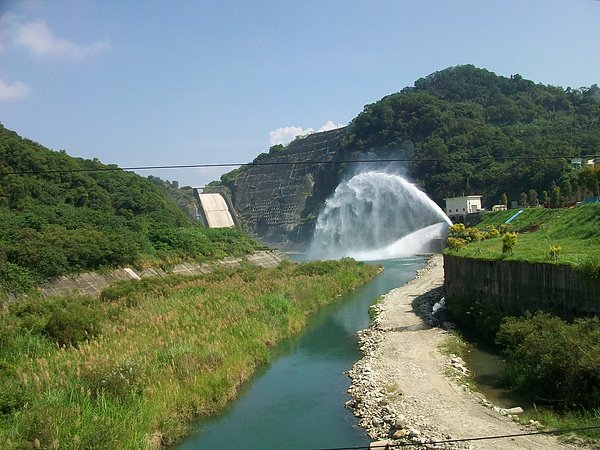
x=137 y=367
x=401 y=391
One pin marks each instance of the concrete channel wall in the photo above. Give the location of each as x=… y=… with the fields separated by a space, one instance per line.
x=92 y=283
x=517 y=287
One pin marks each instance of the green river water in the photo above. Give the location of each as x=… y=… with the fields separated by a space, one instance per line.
x=297 y=401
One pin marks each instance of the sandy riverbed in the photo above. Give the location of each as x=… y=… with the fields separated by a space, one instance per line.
x=402 y=385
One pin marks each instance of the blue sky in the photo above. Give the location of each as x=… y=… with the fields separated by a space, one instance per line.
x=140 y=83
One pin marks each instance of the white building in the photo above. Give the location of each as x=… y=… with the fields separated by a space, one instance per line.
x=463 y=205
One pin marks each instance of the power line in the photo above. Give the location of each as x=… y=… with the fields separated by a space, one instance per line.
x=481 y=438
x=289 y=163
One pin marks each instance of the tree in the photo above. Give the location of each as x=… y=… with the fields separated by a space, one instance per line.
x=566 y=190
x=533 y=198
x=589 y=178
x=545 y=199
x=555 y=198
x=504 y=200
x=523 y=199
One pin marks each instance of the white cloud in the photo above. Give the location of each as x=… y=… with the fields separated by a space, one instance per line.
x=331 y=126
x=15 y=91
x=285 y=135
x=41 y=41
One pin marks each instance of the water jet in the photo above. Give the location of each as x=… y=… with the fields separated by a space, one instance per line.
x=378 y=215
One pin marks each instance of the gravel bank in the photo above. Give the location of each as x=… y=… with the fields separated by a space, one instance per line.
x=404 y=390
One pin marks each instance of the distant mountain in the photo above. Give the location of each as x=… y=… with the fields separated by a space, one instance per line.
x=460 y=131
x=60 y=214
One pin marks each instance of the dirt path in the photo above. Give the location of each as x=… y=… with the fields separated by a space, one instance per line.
x=402 y=385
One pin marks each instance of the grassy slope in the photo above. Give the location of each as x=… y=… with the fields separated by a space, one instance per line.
x=165 y=352
x=575 y=230
x=61 y=215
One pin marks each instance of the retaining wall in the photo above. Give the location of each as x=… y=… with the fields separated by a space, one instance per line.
x=92 y=283
x=517 y=287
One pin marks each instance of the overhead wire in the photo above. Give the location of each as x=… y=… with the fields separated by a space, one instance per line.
x=287 y=163
x=453 y=441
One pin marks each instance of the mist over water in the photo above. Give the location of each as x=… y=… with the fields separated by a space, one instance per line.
x=377 y=215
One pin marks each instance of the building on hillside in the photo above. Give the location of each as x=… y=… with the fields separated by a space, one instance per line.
x=499 y=208
x=463 y=205
x=576 y=163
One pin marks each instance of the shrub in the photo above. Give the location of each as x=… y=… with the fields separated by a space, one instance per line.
x=316 y=268
x=554 y=252
x=457 y=230
x=590 y=268
x=508 y=242
x=66 y=321
x=14 y=278
x=72 y=324
x=474 y=234
x=503 y=228
x=455 y=243
x=13 y=394
x=550 y=358
x=491 y=232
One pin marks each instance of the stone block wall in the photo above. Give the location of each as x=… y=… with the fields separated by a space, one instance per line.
x=278 y=202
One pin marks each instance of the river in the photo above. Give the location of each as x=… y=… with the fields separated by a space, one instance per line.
x=297 y=401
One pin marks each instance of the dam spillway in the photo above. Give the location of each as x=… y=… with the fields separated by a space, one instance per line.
x=214 y=211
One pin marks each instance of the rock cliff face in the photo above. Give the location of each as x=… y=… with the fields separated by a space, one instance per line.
x=278 y=200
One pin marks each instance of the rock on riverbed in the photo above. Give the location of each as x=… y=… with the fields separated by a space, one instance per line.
x=371 y=396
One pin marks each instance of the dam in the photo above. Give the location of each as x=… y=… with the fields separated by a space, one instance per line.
x=214 y=211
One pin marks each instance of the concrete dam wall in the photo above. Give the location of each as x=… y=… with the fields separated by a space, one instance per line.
x=278 y=202
x=516 y=287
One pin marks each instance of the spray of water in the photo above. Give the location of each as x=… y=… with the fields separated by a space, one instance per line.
x=377 y=215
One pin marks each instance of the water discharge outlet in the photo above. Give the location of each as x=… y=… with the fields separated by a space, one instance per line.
x=377 y=215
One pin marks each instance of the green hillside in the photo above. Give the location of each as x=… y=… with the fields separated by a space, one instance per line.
x=575 y=230
x=473 y=132
x=60 y=214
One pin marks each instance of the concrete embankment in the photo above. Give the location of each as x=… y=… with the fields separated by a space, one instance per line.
x=92 y=283
x=401 y=391
x=515 y=287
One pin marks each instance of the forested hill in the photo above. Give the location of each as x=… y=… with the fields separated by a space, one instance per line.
x=60 y=214
x=470 y=131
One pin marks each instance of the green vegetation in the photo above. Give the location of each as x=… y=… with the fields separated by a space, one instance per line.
x=132 y=369
x=182 y=196
x=559 y=236
x=554 y=363
x=466 y=129
x=551 y=359
x=63 y=215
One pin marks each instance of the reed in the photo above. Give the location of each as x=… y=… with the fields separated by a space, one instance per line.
x=161 y=353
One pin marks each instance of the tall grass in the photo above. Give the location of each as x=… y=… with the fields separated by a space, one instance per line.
x=162 y=353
